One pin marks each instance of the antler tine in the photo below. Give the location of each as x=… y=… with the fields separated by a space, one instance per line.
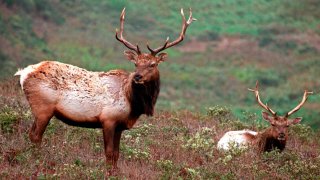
x=190 y=16
x=304 y=99
x=265 y=106
x=122 y=39
x=153 y=52
x=168 y=44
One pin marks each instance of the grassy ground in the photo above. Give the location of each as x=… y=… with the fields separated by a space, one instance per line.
x=170 y=145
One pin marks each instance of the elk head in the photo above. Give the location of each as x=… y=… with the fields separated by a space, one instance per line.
x=147 y=63
x=279 y=124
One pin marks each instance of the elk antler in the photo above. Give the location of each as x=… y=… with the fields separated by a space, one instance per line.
x=305 y=97
x=265 y=106
x=121 y=39
x=168 y=44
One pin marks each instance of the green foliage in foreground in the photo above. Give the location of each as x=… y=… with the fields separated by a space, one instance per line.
x=8 y=117
x=170 y=145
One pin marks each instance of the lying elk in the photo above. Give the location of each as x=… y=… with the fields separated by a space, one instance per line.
x=271 y=138
x=112 y=100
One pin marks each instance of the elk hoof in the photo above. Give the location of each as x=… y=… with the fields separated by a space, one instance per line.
x=114 y=171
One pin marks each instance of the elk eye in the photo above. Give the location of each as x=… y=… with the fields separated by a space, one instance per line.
x=273 y=125
x=152 y=65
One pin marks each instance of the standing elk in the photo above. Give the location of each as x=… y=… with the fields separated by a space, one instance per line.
x=274 y=137
x=112 y=100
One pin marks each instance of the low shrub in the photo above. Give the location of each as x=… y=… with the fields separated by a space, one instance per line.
x=8 y=119
x=202 y=141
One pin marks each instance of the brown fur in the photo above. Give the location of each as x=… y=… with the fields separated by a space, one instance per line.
x=266 y=142
x=143 y=98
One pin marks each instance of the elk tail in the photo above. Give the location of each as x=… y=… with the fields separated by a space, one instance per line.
x=18 y=73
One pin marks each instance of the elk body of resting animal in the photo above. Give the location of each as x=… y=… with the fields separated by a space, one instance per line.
x=111 y=100
x=274 y=137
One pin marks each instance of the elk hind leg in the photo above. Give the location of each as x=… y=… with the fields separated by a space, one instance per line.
x=42 y=117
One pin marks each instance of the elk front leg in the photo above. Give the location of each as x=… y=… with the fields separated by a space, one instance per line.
x=116 y=144
x=108 y=136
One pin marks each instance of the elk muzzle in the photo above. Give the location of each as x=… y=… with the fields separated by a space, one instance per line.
x=137 y=78
x=282 y=136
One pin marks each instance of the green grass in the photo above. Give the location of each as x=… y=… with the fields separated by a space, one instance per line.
x=170 y=145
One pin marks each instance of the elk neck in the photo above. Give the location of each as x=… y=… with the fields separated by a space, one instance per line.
x=142 y=97
x=266 y=142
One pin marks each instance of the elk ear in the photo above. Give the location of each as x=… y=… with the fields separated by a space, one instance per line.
x=130 y=55
x=162 y=57
x=296 y=120
x=266 y=116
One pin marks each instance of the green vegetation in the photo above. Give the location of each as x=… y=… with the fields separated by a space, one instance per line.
x=8 y=117
x=170 y=145
x=233 y=44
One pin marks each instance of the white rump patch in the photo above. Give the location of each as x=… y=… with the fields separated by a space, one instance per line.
x=234 y=139
x=23 y=73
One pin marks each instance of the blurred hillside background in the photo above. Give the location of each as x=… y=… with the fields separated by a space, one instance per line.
x=233 y=44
